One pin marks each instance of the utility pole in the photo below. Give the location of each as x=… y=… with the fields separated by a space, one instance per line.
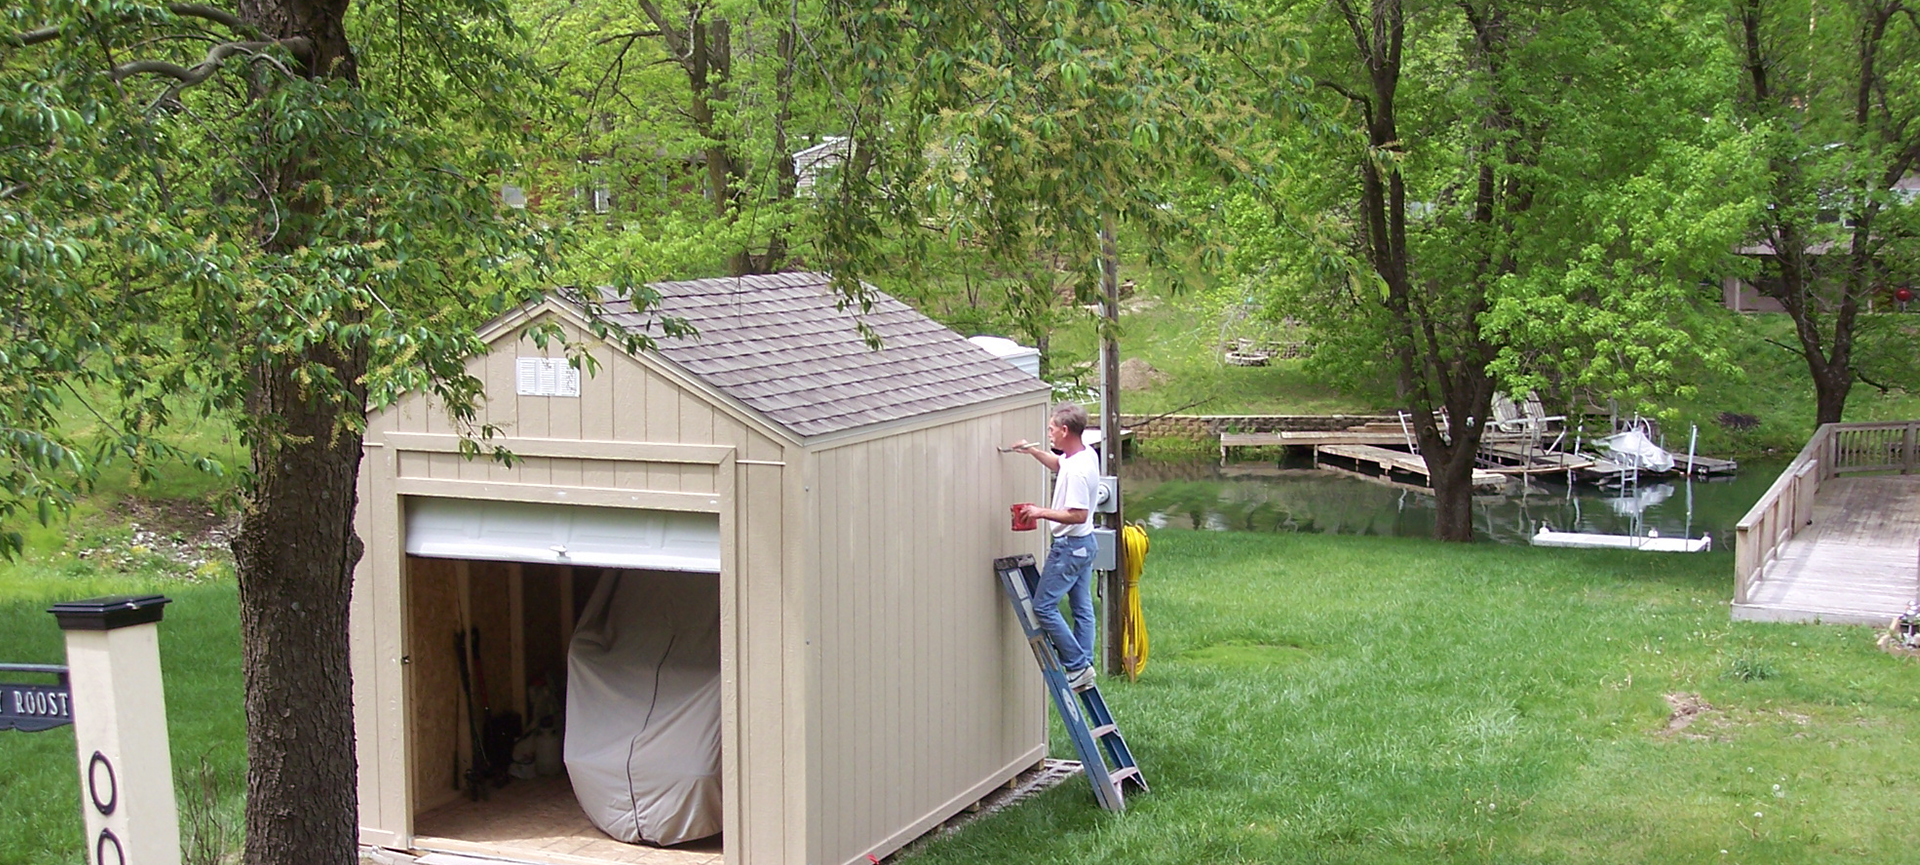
x=1115 y=590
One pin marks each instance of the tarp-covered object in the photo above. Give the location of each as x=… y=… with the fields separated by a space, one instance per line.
x=643 y=706
x=1634 y=450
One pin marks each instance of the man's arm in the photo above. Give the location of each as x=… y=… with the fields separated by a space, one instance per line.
x=1046 y=457
x=1070 y=517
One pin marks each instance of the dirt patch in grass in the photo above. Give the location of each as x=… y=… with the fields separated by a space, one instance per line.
x=1687 y=708
x=168 y=538
x=182 y=519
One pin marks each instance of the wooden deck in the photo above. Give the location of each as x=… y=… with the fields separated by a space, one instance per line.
x=538 y=820
x=1858 y=562
x=1837 y=537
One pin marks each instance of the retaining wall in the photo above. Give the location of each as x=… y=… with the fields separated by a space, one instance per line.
x=1208 y=427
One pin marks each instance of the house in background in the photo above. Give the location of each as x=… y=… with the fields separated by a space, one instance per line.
x=1740 y=295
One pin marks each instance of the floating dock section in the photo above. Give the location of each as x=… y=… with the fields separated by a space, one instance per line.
x=1645 y=543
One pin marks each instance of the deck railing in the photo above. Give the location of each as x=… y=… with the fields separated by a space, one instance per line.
x=1834 y=449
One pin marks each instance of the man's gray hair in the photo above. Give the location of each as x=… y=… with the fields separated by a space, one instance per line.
x=1071 y=417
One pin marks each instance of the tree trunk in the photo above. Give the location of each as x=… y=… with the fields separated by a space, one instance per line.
x=787 y=181
x=295 y=552
x=1453 y=500
x=1830 y=388
x=296 y=547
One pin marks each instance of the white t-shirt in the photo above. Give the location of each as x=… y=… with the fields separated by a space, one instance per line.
x=1075 y=487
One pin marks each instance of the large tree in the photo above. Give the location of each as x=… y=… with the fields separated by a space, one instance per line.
x=282 y=211
x=1830 y=97
x=1527 y=197
x=684 y=123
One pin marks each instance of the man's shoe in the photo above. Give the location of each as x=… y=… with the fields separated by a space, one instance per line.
x=1080 y=679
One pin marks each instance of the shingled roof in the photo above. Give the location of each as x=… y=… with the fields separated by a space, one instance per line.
x=782 y=345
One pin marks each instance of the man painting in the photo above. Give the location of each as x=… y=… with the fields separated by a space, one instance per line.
x=1069 y=570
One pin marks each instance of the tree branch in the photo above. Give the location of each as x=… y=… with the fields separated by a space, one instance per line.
x=1883 y=388
x=210 y=13
x=637 y=34
x=35 y=37
x=185 y=10
x=676 y=40
x=1355 y=97
x=1791 y=349
x=1353 y=24
x=216 y=56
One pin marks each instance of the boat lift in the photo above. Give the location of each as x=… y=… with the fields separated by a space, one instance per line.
x=1638 y=537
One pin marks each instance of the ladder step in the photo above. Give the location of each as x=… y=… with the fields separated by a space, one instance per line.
x=1103 y=730
x=1121 y=776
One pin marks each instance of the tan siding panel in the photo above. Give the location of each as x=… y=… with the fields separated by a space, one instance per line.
x=761 y=447
x=799 y=602
x=598 y=473
x=908 y=527
x=761 y=541
x=696 y=419
x=632 y=476
x=600 y=394
x=662 y=417
x=365 y=657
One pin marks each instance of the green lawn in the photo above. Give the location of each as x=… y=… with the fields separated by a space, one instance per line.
x=1326 y=699
x=1343 y=699
x=1310 y=699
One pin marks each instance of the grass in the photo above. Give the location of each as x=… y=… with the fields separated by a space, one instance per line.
x=1176 y=337
x=1342 y=699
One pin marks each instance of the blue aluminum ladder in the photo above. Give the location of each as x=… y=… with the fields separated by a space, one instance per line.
x=1103 y=754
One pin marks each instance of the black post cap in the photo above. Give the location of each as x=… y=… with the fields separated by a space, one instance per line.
x=106 y=614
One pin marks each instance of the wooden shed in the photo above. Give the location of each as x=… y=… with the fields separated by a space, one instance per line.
x=847 y=501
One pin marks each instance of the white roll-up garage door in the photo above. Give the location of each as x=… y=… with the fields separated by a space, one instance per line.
x=563 y=534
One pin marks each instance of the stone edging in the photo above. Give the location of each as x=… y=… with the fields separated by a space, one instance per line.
x=1208 y=427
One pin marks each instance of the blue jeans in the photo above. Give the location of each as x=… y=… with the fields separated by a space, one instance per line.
x=1068 y=574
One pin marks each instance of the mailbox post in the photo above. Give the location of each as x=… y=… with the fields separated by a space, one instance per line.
x=120 y=729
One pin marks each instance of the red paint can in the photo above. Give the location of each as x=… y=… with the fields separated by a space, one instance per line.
x=1022 y=522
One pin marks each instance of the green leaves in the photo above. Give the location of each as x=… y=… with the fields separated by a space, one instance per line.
x=1021 y=129
x=160 y=242
x=1562 y=202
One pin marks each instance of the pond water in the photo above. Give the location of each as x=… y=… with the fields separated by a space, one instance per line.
x=1296 y=497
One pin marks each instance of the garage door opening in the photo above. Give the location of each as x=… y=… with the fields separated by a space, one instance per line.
x=595 y=631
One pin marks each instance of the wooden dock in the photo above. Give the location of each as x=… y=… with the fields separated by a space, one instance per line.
x=1392 y=462
x=1837 y=537
x=1701 y=466
x=1518 y=459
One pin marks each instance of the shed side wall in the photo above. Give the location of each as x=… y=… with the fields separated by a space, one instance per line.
x=926 y=692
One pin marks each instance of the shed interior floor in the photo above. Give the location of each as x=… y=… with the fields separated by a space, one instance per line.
x=538 y=820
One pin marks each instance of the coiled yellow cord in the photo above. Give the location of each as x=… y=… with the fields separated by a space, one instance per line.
x=1133 y=637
